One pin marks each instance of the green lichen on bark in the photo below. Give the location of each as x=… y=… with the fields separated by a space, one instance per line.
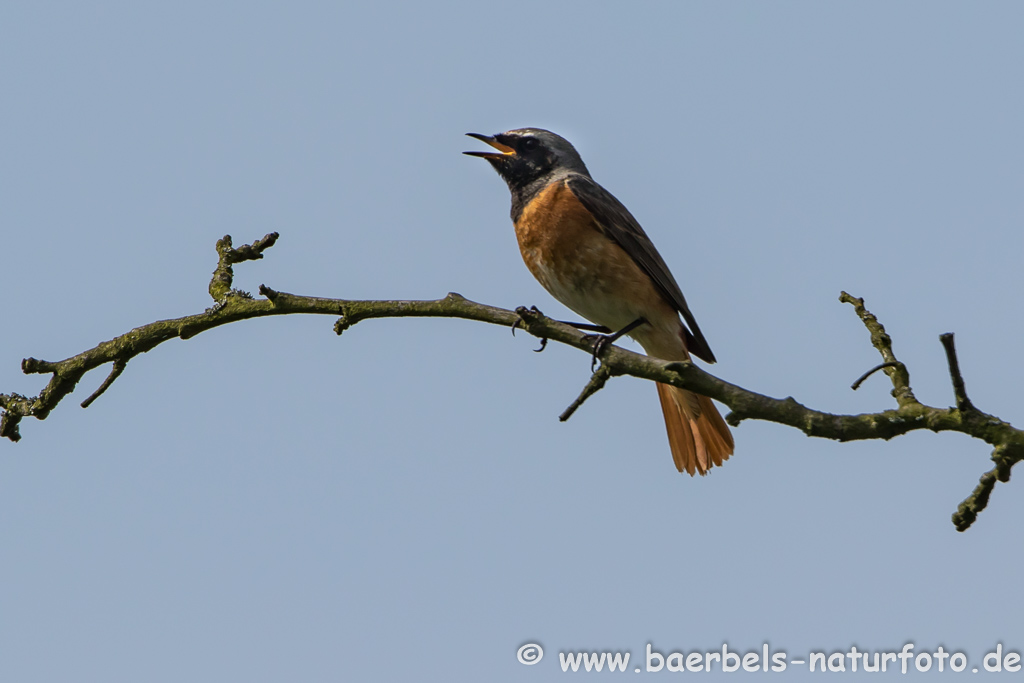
x=231 y=305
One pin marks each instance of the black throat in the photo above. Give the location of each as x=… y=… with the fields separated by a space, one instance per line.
x=524 y=193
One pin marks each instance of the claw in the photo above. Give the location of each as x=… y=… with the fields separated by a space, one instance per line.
x=603 y=340
x=518 y=324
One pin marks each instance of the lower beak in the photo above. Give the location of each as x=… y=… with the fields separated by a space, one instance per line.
x=503 y=150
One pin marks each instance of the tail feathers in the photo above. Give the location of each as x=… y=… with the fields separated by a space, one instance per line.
x=697 y=434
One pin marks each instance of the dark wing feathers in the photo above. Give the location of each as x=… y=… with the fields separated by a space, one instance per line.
x=618 y=224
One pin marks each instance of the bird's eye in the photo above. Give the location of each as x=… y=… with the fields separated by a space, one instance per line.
x=530 y=143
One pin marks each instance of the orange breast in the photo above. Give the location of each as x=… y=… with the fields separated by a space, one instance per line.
x=572 y=258
x=551 y=229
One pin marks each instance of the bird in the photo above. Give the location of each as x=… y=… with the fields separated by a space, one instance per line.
x=586 y=249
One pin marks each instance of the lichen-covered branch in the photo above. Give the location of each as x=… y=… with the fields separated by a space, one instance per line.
x=896 y=370
x=232 y=305
x=227 y=256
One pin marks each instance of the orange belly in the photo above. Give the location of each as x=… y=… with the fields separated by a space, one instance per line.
x=591 y=274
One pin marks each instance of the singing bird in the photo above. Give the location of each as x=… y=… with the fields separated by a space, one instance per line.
x=589 y=252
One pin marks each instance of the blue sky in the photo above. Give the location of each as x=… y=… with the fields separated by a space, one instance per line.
x=268 y=501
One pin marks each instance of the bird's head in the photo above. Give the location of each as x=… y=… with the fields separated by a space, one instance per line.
x=525 y=155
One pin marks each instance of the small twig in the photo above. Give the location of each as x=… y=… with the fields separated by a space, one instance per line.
x=860 y=380
x=254 y=251
x=119 y=365
x=15 y=407
x=596 y=383
x=968 y=510
x=227 y=256
x=959 y=391
x=881 y=340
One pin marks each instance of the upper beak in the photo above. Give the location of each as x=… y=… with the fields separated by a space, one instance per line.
x=503 y=150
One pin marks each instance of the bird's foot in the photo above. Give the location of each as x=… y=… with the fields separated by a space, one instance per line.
x=523 y=313
x=601 y=341
x=598 y=343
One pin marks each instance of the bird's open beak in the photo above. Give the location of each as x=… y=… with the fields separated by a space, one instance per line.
x=503 y=150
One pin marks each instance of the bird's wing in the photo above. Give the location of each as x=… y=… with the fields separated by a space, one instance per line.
x=615 y=221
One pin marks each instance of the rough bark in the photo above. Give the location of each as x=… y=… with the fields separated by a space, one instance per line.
x=231 y=305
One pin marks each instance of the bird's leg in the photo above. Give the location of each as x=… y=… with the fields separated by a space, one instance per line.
x=587 y=326
x=603 y=340
x=579 y=326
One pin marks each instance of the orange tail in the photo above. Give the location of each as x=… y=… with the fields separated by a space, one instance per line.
x=697 y=434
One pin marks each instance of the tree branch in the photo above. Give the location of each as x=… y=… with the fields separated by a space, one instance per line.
x=232 y=305
x=596 y=383
x=959 y=391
